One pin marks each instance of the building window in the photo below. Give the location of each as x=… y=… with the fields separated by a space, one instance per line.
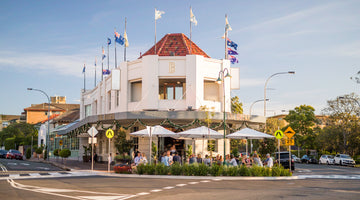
x=136 y=89
x=172 y=89
x=87 y=110
x=109 y=100
x=211 y=91
x=117 y=97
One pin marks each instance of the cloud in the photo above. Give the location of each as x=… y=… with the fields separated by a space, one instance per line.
x=251 y=82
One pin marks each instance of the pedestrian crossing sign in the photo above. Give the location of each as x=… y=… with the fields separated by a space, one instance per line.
x=279 y=134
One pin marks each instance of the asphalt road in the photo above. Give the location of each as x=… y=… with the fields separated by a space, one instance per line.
x=144 y=188
x=13 y=165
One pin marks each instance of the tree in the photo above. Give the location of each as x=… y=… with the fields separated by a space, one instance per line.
x=121 y=143
x=21 y=132
x=302 y=120
x=344 y=122
x=236 y=106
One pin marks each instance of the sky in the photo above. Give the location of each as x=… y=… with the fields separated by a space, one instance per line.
x=44 y=45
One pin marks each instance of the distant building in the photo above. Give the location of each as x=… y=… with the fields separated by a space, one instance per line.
x=6 y=120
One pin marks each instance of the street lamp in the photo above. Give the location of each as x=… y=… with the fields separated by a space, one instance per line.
x=221 y=78
x=48 y=116
x=254 y=103
x=289 y=72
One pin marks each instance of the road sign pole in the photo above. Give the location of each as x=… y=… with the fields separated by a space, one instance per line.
x=279 y=150
x=92 y=152
x=289 y=157
x=109 y=158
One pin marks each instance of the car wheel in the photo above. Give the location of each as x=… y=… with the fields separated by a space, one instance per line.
x=341 y=162
x=327 y=162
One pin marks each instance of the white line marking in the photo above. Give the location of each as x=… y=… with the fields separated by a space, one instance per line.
x=167 y=188
x=142 y=193
x=193 y=183
x=155 y=190
x=206 y=181
x=217 y=179
x=181 y=185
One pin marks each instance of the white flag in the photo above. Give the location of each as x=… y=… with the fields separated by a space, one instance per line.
x=192 y=17
x=158 y=14
x=227 y=25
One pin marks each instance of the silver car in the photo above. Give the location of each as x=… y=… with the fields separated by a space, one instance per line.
x=327 y=159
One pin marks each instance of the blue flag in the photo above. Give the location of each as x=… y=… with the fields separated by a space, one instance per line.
x=233 y=60
x=232 y=52
x=106 y=72
x=109 y=41
x=232 y=44
x=103 y=54
x=119 y=39
x=83 y=69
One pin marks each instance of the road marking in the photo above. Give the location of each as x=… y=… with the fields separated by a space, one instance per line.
x=205 y=181
x=193 y=183
x=181 y=185
x=168 y=188
x=217 y=179
x=347 y=191
x=155 y=190
x=142 y=193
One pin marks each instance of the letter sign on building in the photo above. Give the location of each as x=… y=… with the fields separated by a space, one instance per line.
x=171 y=67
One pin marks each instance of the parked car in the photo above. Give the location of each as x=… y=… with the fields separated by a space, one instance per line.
x=284 y=160
x=308 y=159
x=296 y=159
x=344 y=159
x=14 y=154
x=3 y=153
x=326 y=159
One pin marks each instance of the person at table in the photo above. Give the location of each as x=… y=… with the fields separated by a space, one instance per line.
x=137 y=159
x=177 y=158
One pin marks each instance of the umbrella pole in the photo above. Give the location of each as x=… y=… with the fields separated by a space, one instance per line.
x=203 y=147
x=246 y=147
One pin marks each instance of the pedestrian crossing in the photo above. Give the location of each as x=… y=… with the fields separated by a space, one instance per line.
x=4 y=176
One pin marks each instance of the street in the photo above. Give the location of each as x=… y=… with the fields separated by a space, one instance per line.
x=83 y=185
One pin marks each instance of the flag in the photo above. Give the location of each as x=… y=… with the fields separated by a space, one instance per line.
x=109 y=41
x=83 y=69
x=105 y=72
x=231 y=44
x=192 y=18
x=232 y=52
x=95 y=62
x=103 y=53
x=227 y=25
x=233 y=60
x=158 y=14
x=126 y=39
x=118 y=38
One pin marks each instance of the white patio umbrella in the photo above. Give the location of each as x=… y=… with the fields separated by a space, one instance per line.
x=154 y=131
x=248 y=133
x=201 y=132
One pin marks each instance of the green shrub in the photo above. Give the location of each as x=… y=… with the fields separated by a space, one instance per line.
x=233 y=171
x=216 y=170
x=276 y=170
x=244 y=171
x=150 y=169
x=202 y=170
x=161 y=169
x=176 y=169
x=186 y=170
x=28 y=153
x=266 y=171
x=9 y=143
x=39 y=150
x=65 y=153
x=56 y=152
x=141 y=169
x=285 y=172
x=225 y=170
x=256 y=170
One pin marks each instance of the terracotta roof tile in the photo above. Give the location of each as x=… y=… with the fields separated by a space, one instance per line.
x=175 y=44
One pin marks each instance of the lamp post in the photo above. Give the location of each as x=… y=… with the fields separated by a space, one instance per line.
x=254 y=103
x=48 y=121
x=221 y=78
x=289 y=72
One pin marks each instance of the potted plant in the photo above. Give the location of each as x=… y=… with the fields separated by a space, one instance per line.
x=87 y=152
x=123 y=161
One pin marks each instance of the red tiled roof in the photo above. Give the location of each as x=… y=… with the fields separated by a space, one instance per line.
x=50 y=118
x=175 y=44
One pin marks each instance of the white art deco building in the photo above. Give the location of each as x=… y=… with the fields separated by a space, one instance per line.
x=170 y=88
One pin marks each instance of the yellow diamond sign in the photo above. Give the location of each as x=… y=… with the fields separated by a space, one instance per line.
x=289 y=132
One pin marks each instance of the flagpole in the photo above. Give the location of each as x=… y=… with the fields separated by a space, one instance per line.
x=226 y=52
x=155 y=31
x=84 y=76
x=108 y=55
x=125 y=43
x=190 y=34
x=115 y=52
x=95 y=73
x=102 y=65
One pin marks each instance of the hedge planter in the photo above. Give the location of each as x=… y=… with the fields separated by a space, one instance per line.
x=204 y=170
x=122 y=168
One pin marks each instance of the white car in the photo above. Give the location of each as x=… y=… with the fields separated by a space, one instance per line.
x=326 y=159
x=296 y=159
x=344 y=159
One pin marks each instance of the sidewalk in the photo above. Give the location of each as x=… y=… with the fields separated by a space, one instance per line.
x=75 y=164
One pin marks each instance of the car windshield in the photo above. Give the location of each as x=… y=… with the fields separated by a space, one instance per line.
x=345 y=156
x=15 y=151
x=332 y=157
